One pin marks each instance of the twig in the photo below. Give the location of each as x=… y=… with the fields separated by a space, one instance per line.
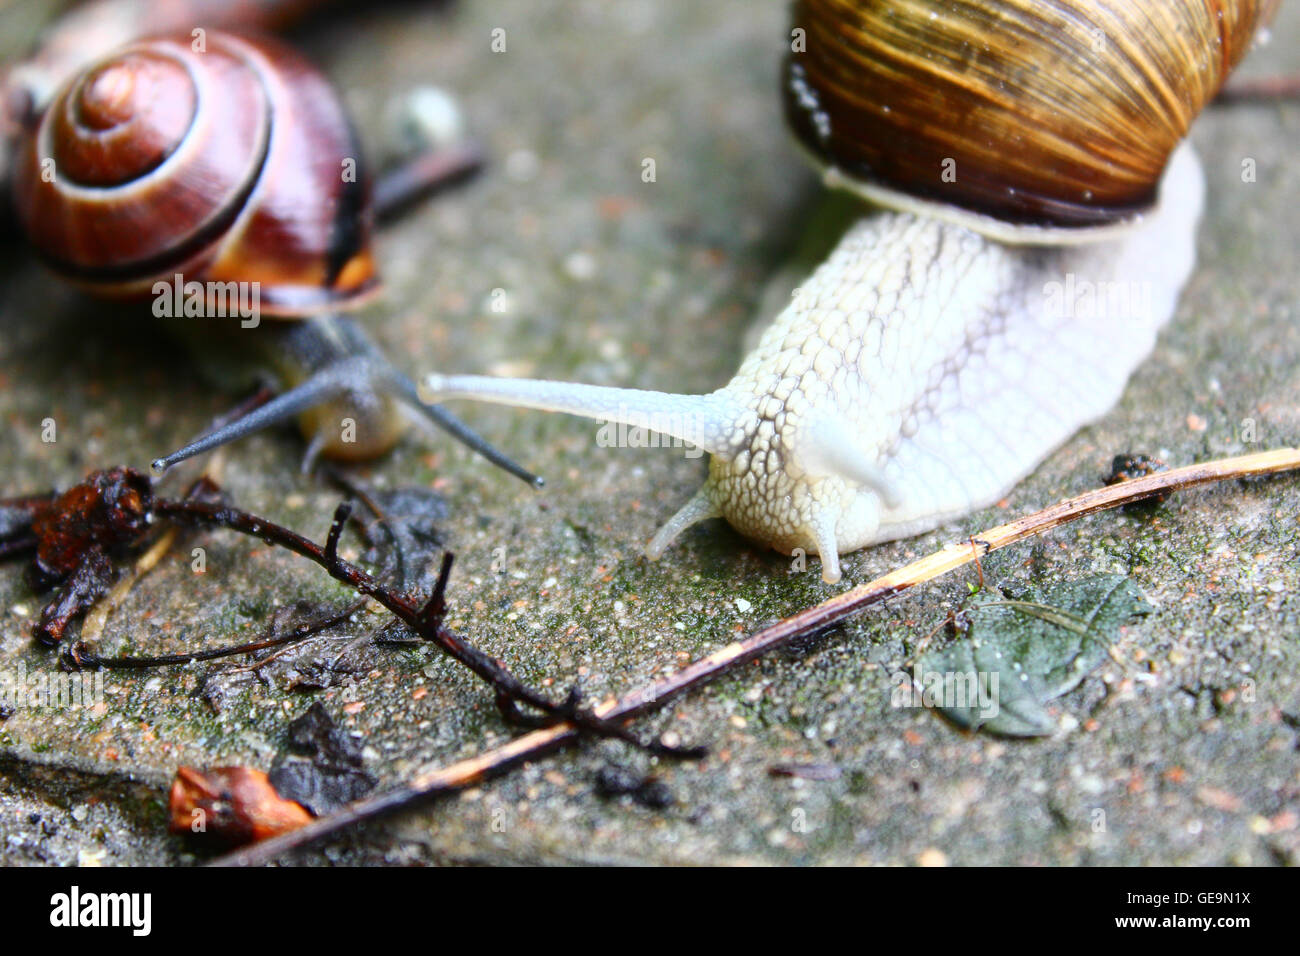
x=360 y=492
x=425 y=619
x=16 y=547
x=80 y=654
x=436 y=781
x=114 y=509
x=398 y=188
x=1260 y=89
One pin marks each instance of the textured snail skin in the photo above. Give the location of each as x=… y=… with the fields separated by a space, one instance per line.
x=920 y=373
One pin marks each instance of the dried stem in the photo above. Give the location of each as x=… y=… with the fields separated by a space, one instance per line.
x=1262 y=89
x=80 y=654
x=433 y=782
x=424 y=618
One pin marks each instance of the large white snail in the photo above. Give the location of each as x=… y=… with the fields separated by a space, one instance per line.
x=1042 y=222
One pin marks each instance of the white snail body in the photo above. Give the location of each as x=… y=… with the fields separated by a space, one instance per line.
x=925 y=367
x=920 y=373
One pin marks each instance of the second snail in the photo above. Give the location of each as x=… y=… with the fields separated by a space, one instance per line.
x=219 y=162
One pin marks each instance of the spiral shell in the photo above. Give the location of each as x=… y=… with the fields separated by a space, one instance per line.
x=234 y=163
x=1053 y=113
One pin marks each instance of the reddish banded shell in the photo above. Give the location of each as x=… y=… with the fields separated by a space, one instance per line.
x=228 y=165
x=1055 y=113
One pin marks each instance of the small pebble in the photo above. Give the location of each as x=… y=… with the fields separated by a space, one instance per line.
x=522 y=165
x=580 y=266
x=427 y=117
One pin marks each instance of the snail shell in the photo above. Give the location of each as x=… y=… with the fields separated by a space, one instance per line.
x=1058 y=115
x=943 y=350
x=225 y=165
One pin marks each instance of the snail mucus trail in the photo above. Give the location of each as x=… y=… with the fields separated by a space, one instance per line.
x=230 y=165
x=1032 y=221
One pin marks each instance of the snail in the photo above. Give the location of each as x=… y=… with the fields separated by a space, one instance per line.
x=1035 y=210
x=218 y=172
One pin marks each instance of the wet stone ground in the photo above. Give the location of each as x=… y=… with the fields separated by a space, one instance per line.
x=1184 y=745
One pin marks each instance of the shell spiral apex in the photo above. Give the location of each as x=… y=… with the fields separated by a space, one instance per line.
x=223 y=165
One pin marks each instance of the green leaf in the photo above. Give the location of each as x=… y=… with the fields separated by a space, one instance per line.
x=1020 y=653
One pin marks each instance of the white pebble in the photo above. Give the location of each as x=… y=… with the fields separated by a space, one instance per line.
x=580 y=266
x=522 y=165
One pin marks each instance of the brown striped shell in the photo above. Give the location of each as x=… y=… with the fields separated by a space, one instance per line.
x=1056 y=113
x=226 y=164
